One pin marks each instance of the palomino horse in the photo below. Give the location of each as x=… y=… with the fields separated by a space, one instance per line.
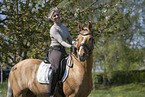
x=22 y=78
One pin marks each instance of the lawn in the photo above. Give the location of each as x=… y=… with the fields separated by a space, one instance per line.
x=128 y=90
x=3 y=89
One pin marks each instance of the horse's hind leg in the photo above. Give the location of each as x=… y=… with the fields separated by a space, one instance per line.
x=27 y=93
x=30 y=94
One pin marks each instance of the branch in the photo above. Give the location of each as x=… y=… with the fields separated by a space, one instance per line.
x=88 y=6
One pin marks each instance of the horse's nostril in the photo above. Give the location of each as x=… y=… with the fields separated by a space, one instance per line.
x=82 y=57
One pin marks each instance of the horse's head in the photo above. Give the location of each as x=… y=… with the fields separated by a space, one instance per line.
x=85 y=42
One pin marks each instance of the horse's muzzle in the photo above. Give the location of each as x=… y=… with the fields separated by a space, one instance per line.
x=82 y=57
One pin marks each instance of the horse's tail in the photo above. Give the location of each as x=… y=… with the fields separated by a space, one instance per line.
x=10 y=91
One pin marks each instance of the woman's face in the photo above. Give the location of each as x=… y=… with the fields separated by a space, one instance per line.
x=56 y=17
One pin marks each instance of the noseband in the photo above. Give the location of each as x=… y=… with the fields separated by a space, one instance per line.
x=86 y=48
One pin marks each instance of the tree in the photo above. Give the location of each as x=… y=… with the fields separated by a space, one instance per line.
x=115 y=51
x=24 y=32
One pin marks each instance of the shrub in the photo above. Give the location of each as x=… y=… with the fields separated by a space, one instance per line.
x=124 y=77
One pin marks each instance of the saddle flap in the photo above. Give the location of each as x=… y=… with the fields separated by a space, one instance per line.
x=44 y=72
x=68 y=65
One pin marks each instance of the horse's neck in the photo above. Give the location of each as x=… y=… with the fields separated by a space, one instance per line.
x=80 y=76
x=86 y=66
x=89 y=63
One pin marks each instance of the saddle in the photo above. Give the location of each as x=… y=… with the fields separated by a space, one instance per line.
x=64 y=70
x=62 y=66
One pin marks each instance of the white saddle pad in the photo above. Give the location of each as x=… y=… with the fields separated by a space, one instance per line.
x=45 y=70
x=43 y=73
x=66 y=69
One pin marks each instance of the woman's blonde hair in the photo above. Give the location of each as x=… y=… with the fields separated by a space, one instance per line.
x=52 y=12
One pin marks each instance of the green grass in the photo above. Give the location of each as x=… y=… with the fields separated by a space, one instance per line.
x=128 y=90
x=3 y=89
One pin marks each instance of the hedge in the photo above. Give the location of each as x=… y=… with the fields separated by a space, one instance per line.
x=124 y=77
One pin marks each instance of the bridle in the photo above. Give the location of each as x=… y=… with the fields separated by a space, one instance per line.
x=86 y=48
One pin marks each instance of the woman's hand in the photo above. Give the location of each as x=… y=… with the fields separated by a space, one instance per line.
x=73 y=49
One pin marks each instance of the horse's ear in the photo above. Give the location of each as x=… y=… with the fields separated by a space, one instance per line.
x=90 y=26
x=80 y=27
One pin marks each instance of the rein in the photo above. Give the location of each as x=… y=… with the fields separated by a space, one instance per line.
x=72 y=55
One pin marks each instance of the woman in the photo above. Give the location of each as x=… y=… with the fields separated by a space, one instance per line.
x=59 y=34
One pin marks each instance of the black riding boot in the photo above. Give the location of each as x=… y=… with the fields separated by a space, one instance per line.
x=52 y=83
